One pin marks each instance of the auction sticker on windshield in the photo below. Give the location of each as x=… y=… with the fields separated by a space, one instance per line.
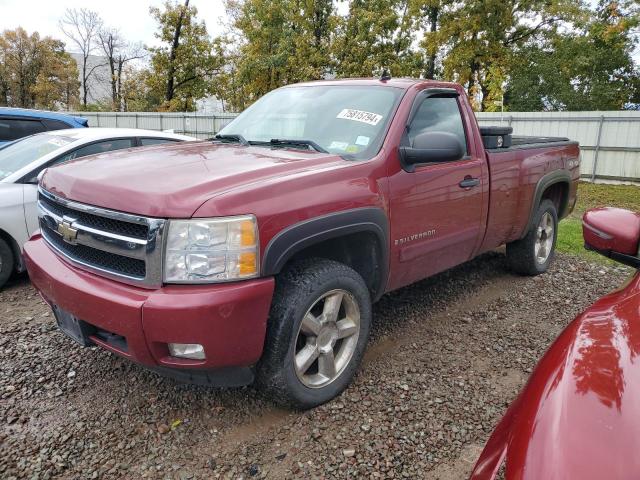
x=360 y=116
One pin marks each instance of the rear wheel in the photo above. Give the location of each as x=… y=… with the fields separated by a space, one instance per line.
x=7 y=263
x=317 y=333
x=533 y=254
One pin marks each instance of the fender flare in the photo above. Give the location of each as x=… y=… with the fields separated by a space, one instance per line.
x=295 y=238
x=551 y=178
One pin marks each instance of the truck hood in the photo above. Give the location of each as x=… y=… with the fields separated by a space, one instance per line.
x=579 y=415
x=173 y=181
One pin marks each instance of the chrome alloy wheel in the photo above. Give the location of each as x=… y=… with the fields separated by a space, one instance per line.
x=327 y=339
x=544 y=238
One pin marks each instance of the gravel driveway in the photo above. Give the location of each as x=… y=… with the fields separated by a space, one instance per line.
x=446 y=357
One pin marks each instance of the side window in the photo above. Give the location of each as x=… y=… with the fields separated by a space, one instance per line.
x=54 y=124
x=13 y=128
x=96 y=148
x=438 y=114
x=156 y=141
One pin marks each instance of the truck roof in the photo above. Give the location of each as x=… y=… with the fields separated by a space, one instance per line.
x=26 y=112
x=403 y=83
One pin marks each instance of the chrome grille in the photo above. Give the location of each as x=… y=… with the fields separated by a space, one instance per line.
x=117 y=245
x=101 y=223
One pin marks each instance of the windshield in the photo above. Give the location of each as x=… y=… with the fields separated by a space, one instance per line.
x=344 y=120
x=21 y=153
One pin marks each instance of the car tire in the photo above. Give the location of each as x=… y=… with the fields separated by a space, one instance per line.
x=533 y=254
x=7 y=263
x=306 y=364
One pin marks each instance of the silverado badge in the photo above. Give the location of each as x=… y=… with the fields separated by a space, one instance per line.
x=67 y=232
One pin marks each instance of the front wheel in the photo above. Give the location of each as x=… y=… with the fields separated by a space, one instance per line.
x=6 y=262
x=533 y=254
x=318 y=330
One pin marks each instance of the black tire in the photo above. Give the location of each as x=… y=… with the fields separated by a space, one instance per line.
x=298 y=288
x=7 y=263
x=521 y=254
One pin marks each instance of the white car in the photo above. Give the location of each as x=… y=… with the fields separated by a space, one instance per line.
x=22 y=161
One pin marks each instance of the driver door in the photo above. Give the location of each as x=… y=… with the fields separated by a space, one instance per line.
x=437 y=207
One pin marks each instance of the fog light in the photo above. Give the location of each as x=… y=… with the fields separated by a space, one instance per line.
x=194 y=351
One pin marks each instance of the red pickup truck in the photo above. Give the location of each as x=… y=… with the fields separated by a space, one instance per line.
x=258 y=254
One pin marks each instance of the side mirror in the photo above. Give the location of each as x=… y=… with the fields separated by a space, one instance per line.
x=614 y=233
x=432 y=147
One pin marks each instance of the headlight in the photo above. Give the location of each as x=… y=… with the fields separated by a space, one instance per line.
x=211 y=250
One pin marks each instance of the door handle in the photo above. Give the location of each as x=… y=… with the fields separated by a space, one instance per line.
x=469 y=182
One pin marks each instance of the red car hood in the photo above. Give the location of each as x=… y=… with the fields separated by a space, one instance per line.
x=173 y=181
x=579 y=415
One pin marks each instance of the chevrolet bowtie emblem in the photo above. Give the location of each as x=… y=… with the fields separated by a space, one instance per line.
x=67 y=232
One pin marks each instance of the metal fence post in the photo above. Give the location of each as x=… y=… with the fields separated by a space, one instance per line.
x=136 y=119
x=597 y=151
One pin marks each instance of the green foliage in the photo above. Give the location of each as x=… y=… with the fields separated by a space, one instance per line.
x=36 y=72
x=183 y=66
x=275 y=43
x=539 y=54
x=377 y=34
x=588 y=69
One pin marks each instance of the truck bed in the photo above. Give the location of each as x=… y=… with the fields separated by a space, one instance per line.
x=525 y=142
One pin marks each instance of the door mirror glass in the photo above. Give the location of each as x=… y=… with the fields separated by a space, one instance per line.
x=433 y=147
x=614 y=233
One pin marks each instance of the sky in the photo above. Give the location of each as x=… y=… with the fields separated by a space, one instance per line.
x=130 y=16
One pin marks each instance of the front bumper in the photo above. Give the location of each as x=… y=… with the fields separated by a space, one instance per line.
x=229 y=320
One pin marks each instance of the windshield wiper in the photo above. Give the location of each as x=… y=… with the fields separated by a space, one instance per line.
x=282 y=142
x=234 y=138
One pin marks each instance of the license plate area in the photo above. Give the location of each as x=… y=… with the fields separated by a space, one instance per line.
x=73 y=328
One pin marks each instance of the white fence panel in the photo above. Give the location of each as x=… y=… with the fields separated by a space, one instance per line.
x=196 y=125
x=610 y=141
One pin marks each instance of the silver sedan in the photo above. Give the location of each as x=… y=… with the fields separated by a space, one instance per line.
x=22 y=161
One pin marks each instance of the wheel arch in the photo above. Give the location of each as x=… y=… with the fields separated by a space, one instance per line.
x=350 y=236
x=555 y=186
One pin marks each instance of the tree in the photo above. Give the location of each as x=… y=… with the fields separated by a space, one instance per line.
x=118 y=54
x=135 y=94
x=481 y=36
x=57 y=83
x=590 y=68
x=36 y=72
x=82 y=27
x=183 y=66
x=276 y=43
x=377 y=34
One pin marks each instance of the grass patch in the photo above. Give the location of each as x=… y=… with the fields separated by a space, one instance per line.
x=591 y=196
x=570 y=241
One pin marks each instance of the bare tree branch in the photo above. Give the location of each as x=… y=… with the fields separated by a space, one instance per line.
x=82 y=27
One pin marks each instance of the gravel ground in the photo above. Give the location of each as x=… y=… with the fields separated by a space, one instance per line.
x=446 y=357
